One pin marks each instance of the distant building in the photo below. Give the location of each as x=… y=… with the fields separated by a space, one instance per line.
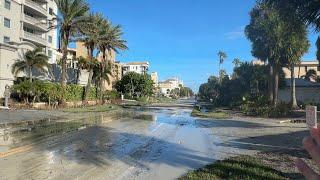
x=154 y=77
x=137 y=67
x=168 y=85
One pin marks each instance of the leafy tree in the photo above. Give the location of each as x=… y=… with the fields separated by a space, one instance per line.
x=72 y=15
x=277 y=40
x=32 y=60
x=135 y=85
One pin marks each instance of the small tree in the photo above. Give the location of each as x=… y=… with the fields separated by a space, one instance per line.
x=31 y=60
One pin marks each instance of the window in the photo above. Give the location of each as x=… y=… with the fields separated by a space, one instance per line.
x=7 y=4
x=6 y=39
x=51 y=11
x=50 y=39
x=49 y=53
x=7 y=22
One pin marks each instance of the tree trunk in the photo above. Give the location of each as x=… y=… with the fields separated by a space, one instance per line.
x=103 y=65
x=78 y=75
x=294 y=104
x=299 y=72
x=65 y=42
x=276 y=85
x=270 y=83
x=88 y=86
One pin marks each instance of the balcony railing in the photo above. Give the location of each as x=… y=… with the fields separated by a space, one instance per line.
x=36 y=22
x=36 y=6
x=35 y=38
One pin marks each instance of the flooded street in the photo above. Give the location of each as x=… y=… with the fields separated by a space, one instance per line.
x=138 y=144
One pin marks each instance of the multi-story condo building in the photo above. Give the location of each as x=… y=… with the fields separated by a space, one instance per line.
x=138 y=67
x=154 y=78
x=24 y=24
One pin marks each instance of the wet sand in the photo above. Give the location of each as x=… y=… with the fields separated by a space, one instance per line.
x=148 y=144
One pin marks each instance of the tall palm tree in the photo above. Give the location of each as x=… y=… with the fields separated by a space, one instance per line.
x=31 y=60
x=72 y=15
x=109 y=41
x=90 y=37
x=222 y=56
x=236 y=62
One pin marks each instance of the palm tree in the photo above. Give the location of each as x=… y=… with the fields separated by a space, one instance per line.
x=109 y=41
x=222 y=56
x=236 y=62
x=32 y=60
x=90 y=37
x=72 y=15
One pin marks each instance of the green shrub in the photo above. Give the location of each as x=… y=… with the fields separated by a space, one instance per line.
x=260 y=106
x=44 y=91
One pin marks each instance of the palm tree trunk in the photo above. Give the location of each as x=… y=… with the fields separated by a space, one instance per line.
x=299 y=72
x=270 y=83
x=89 y=82
x=88 y=86
x=103 y=65
x=65 y=42
x=276 y=85
x=294 y=104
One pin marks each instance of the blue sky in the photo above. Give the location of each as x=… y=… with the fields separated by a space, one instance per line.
x=182 y=37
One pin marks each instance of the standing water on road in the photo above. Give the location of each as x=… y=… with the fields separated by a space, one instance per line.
x=137 y=144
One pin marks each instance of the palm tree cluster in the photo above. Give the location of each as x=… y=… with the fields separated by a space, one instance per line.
x=75 y=21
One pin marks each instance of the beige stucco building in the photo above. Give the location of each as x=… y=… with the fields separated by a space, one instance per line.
x=24 y=24
x=301 y=69
x=116 y=68
x=168 y=85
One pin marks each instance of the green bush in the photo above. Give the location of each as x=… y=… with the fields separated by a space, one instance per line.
x=44 y=91
x=260 y=106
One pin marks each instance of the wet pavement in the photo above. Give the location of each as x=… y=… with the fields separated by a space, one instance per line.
x=153 y=143
x=139 y=144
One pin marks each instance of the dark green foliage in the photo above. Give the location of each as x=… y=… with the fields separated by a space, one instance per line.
x=43 y=91
x=135 y=85
x=247 y=79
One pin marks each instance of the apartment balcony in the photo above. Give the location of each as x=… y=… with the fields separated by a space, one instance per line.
x=36 y=6
x=34 y=38
x=36 y=23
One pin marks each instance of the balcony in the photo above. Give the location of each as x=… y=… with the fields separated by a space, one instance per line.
x=36 y=22
x=36 y=6
x=35 y=38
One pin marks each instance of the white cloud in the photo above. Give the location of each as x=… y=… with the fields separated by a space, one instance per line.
x=236 y=34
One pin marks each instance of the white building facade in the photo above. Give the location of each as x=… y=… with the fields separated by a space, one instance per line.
x=137 y=67
x=24 y=25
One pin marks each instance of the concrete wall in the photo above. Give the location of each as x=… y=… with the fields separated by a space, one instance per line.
x=303 y=94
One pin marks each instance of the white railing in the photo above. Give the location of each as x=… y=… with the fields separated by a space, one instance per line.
x=36 y=22
x=36 y=6
x=35 y=37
